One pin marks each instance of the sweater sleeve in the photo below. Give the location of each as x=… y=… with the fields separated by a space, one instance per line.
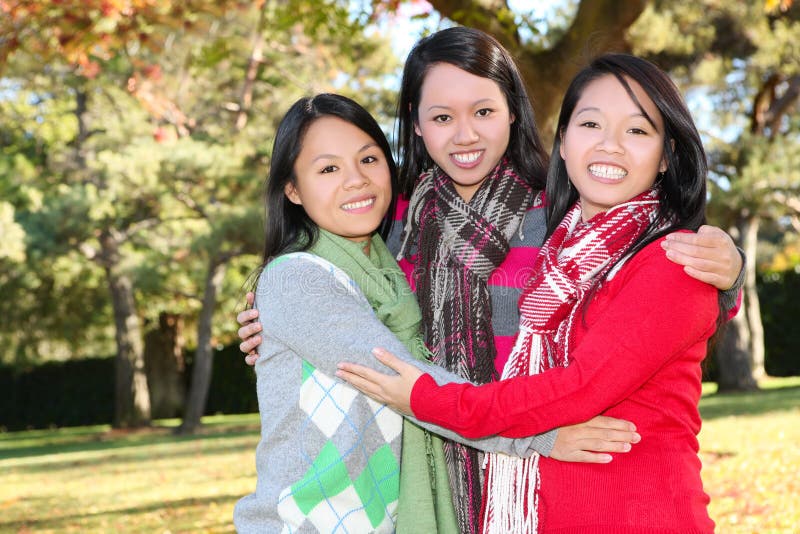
x=657 y=313
x=305 y=306
x=731 y=298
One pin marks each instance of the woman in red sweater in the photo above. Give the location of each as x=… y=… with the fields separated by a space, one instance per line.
x=618 y=328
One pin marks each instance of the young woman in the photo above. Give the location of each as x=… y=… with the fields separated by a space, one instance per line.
x=627 y=169
x=329 y=457
x=473 y=166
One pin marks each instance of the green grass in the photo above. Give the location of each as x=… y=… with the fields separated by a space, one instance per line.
x=92 y=479
x=751 y=458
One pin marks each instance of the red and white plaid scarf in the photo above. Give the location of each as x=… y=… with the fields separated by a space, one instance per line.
x=567 y=269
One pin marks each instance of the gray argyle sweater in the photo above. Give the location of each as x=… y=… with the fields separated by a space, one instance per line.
x=329 y=457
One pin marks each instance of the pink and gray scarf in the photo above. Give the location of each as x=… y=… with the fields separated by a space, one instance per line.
x=458 y=245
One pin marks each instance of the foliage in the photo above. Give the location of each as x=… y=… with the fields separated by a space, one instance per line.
x=160 y=156
x=89 y=479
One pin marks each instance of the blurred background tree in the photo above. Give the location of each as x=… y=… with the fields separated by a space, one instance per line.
x=135 y=137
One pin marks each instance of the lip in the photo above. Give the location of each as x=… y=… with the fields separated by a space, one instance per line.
x=606 y=172
x=470 y=163
x=367 y=200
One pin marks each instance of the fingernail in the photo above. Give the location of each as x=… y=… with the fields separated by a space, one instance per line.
x=626 y=447
x=606 y=458
x=636 y=438
x=377 y=352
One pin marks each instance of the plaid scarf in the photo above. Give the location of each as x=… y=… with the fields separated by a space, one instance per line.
x=459 y=244
x=567 y=272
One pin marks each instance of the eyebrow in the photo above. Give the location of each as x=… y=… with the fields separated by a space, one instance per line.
x=592 y=108
x=476 y=103
x=334 y=156
x=640 y=114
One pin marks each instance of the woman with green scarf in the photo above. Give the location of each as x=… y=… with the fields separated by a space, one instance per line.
x=330 y=459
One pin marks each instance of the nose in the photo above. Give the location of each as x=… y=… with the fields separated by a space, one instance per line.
x=609 y=142
x=355 y=178
x=465 y=133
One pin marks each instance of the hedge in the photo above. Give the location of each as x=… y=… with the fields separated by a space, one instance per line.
x=81 y=392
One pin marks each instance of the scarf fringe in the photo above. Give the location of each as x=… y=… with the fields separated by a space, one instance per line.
x=512 y=495
x=512 y=484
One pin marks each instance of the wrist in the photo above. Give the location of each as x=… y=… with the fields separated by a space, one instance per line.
x=420 y=393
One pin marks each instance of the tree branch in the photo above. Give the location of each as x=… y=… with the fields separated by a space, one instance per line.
x=256 y=58
x=782 y=105
x=492 y=16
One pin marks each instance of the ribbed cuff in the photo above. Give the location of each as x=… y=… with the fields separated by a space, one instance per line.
x=729 y=298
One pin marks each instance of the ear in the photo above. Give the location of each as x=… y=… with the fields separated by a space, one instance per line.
x=512 y=118
x=561 y=144
x=416 y=129
x=291 y=193
x=664 y=165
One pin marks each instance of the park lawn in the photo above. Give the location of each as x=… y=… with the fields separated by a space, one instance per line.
x=751 y=458
x=90 y=479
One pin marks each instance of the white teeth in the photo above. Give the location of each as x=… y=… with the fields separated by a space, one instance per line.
x=607 y=171
x=469 y=157
x=359 y=204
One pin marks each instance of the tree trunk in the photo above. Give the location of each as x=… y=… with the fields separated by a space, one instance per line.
x=203 y=360
x=734 y=355
x=131 y=396
x=749 y=229
x=165 y=366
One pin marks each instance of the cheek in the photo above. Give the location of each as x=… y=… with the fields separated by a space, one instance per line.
x=431 y=140
x=382 y=178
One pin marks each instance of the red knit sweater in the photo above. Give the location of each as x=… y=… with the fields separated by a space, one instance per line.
x=637 y=357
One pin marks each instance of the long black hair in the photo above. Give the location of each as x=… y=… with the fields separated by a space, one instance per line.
x=288 y=226
x=480 y=54
x=682 y=187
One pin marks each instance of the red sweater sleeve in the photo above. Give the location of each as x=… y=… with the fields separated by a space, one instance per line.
x=654 y=312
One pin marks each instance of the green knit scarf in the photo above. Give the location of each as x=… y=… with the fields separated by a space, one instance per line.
x=425 y=504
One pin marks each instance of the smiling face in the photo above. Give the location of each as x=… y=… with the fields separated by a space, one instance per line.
x=611 y=150
x=342 y=179
x=465 y=124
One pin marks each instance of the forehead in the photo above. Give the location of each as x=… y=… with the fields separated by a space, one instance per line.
x=444 y=81
x=608 y=95
x=333 y=135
